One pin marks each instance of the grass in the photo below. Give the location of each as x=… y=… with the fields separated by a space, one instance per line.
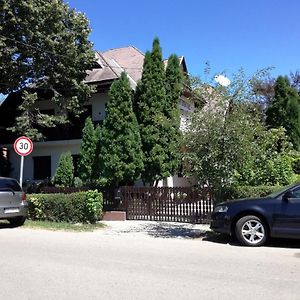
x=63 y=226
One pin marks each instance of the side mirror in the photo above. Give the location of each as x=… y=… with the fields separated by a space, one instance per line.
x=287 y=196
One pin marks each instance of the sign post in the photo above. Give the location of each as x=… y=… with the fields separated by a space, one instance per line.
x=23 y=146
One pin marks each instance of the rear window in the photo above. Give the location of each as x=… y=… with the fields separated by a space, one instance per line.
x=9 y=184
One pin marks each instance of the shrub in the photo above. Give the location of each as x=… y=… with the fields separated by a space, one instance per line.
x=82 y=207
x=239 y=192
x=65 y=171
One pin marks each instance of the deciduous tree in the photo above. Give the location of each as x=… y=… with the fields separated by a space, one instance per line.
x=44 y=45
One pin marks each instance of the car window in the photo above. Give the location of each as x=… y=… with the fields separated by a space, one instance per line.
x=282 y=191
x=7 y=183
x=296 y=193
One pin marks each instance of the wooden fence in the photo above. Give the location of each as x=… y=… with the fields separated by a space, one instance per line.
x=183 y=204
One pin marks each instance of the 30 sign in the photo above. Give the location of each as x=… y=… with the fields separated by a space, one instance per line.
x=23 y=146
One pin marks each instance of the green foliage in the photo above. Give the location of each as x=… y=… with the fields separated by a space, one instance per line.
x=44 y=44
x=94 y=205
x=269 y=162
x=240 y=192
x=120 y=151
x=97 y=167
x=284 y=110
x=64 y=174
x=228 y=144
x=78 y=182
x=174 y=86
x=82 y=207
x=150 y=103
x=87 y=152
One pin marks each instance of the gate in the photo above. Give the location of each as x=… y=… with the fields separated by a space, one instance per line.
x=182 y=204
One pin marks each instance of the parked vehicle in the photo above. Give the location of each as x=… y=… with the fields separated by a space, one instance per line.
x=13 y=205
x=252 y=221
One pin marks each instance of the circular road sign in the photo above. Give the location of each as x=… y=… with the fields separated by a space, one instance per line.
x=23 y=146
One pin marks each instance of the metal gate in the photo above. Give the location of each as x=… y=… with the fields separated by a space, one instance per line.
x=182 y=204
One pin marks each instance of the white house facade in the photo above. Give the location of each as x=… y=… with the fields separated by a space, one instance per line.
x=43 y=160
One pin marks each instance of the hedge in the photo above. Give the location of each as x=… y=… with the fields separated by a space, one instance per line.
x=82 y=207
x=238 y=192
x=255 y=191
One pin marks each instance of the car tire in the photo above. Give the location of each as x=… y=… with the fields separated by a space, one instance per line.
x=251 y=231
x=17 y=221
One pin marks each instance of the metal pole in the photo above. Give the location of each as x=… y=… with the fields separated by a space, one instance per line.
x=21 y=170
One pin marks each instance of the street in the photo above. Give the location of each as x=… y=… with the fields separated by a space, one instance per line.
x=40 y=264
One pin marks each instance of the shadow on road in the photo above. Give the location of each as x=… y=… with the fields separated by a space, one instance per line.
x=4 y=225
x=272 y=242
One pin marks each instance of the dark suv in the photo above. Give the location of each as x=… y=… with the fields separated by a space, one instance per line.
x=13 y=205
x=252 y=221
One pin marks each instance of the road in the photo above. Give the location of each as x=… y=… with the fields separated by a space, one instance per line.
x=39 y=264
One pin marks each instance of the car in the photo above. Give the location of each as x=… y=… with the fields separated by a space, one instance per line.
x=13 y=204
x=253 y=221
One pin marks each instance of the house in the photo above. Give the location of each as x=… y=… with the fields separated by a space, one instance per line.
x=43 y=161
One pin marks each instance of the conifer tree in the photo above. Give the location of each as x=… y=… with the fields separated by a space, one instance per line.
x=174 y=83
x=64 y=174
x=149 y=106
x=121 y=153
x=284 y=110
x=97 y=168
x=87 y=151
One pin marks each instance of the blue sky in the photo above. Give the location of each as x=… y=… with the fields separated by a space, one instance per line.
x=228 y=33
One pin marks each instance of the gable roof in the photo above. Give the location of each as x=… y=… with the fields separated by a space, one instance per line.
x=113 y=62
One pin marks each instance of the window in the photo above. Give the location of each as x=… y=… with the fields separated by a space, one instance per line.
x=296 y=193
x=41 y=167
x=9 y=184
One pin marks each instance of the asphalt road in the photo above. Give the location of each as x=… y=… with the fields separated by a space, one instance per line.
x=38 y=264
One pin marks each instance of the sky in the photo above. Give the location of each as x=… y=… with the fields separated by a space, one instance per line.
x=228 y=34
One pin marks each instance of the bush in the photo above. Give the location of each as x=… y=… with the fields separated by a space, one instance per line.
x=82 y=207
x=65 y=171
x=239 y=192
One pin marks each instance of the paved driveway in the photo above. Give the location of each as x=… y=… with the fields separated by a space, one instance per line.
x=117 y=263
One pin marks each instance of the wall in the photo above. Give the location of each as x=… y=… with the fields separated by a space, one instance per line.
x=55 y=149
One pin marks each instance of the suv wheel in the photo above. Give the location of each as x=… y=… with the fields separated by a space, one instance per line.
x=17 y=221
x=251 y=231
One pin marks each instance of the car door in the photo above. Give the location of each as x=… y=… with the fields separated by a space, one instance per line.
x=287 y=215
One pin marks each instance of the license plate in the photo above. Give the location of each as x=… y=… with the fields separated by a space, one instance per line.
x=11 y=210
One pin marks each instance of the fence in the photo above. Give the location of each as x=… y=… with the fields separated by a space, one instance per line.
x=166 y=204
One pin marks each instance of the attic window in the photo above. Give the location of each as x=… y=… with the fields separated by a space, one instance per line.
x=97 y=65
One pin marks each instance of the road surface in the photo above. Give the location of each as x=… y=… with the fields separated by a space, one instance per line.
x=108 y=264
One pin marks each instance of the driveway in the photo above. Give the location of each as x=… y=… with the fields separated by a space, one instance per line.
x=117 y=263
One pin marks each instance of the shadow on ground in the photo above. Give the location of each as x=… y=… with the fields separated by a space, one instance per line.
x=169 y=230
x=272 y=242
x=5 y=225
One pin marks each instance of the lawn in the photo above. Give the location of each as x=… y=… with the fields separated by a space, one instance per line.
x=48 y=225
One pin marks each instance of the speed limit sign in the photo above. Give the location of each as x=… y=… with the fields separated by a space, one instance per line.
x=23 y=146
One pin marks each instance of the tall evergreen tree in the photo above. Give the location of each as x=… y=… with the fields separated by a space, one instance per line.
x=121 y=153
x=149 y=106
x=284 y=110
x=87 y=151
x=174 y=84
x=97 y=167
